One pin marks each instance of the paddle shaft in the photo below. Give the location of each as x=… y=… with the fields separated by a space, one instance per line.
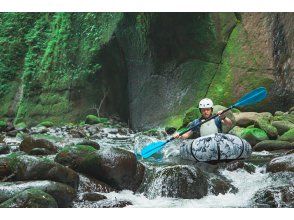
x=211 y=117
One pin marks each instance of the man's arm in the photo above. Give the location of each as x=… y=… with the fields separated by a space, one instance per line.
x=184 y=136
x=228 y=122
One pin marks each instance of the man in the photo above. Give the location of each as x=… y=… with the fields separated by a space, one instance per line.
x=211 y=127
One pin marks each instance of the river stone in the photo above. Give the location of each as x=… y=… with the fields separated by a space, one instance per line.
x=275 y=197
x=282 y=126
x=187 y=182
x=21 y=126
x=63 y=194
x=92 y=196
x=89 y=184
x=24 y=167
x=2 y=125
x=288 y=136
x=244 y=119
x=281 y=164
x=12 y=133
x=254 y=135
x=238 y=164
x=284 y=117
x=271 y=145
x=30 y=198
x=116 y=167
x=278 y=113
x=4 y=149
x=90 y=143
x=264 y=124
x=30 y=143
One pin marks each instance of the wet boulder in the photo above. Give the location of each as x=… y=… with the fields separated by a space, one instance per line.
x=281 y=164
x=238 y=164
x=254 y=135
x=274 y=197
x=116 y=167
x=183 y=181
x=90 y=143
x=63 y=194
x=4 y=149
x=92 y=196
x=89 y=184
x=271 y=145
x=29 y=143
x=288 y=136
x=20 y=167
x=282 y=126
x=2 y=125
x=30 y=198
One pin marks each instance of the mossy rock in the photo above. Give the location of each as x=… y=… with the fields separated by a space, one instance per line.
x=2 y=125
x=174 y=122
x=282 y=126
x=237 y=131
x=271 y=145
x=278 y=113
x=254 y=135
x=46 y=124
x=92 y=119
x=190 y=115
x=4 y=149
x=116 y=167
x=20 y=126
x=264 y=124
x=288 y=136
x=284 y=117
x=30 y=198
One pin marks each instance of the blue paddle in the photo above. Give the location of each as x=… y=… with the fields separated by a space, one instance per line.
x=251 y=98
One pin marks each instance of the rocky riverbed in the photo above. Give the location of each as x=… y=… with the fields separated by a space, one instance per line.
x=98 y=165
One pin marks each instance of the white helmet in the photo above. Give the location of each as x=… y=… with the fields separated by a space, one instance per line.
x=206 y=103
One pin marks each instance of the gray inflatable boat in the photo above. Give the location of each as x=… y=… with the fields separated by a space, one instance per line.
x=216 y=147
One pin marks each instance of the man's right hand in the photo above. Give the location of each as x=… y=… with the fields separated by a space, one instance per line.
x=176 y=135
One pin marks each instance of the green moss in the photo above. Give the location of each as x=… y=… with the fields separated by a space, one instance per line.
x=191 y=114
x=288 y=136
x=285 y=117
x=2 y=124
x=46 y=124
x=174 y=121
x=265 y=125
x=254 y=135
x=85 y=148
x=92 y=119
x=20 y=126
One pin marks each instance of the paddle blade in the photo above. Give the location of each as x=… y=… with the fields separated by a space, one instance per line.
x=152 y=148
x=253 y=97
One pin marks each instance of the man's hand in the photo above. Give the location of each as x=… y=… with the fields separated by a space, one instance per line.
x=221 y=116
x=176 y=135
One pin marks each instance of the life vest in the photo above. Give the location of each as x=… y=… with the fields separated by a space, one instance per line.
x=210 y=127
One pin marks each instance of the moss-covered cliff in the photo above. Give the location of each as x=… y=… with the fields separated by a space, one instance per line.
x=150 y=67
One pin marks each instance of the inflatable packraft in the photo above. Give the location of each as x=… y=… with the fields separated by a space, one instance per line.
x=216 y=147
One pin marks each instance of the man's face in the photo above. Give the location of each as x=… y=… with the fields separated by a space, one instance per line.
x=206 y=112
